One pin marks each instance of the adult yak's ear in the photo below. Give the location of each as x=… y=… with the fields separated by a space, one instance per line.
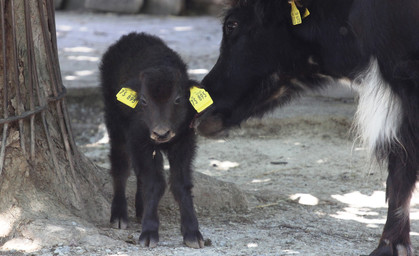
x=304 y=3
x=268 y=12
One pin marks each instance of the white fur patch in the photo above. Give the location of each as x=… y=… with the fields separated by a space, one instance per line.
x=378 y=116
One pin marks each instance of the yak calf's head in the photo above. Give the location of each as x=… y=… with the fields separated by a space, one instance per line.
x=163 y=102
x=258 y=56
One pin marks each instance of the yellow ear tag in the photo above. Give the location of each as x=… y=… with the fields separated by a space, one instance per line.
x=306 y=13
x=128 y=97
x=295 y=14
x=200 y=99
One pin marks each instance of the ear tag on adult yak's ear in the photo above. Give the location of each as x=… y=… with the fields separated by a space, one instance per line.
x=128 y=97
x=200 y=99
x=306 y=13
x=295 y=14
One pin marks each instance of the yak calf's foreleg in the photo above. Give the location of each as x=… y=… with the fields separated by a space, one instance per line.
x=120 y=172
x=149 y=171
x=181 y=187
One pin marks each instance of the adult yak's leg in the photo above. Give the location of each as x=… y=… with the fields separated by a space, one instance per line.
x=387 y=120
x=395 y=240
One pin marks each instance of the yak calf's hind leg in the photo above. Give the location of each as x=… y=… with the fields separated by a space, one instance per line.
x=395 y=240
x=120 y=173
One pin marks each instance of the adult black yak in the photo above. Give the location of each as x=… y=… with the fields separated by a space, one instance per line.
x=272 y=50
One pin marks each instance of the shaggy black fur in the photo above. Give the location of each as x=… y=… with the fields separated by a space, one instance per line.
x=158 y=124
x=265 y=61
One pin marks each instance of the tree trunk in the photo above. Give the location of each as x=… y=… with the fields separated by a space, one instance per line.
x=42 y=174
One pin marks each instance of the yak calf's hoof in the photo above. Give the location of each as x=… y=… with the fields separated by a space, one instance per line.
x=194 y=240
x=119 y=213
x=149 y=239
x=119 y=223
x=119 y=219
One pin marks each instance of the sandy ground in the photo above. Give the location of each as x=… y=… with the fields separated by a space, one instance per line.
x=309 y=188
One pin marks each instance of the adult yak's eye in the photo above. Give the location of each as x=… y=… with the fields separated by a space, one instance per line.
x=230 y=26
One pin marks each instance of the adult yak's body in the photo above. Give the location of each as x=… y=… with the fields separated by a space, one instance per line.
x=265 y=61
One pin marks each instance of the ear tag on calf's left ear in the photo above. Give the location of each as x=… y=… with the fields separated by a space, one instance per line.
x=128 y=97
x=200 y=99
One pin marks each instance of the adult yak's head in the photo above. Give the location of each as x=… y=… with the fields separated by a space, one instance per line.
x=264 y=60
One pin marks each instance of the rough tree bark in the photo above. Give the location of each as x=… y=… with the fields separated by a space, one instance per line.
x=42 y=174
x=49 y=192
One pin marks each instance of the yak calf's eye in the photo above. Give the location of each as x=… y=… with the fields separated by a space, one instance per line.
x=143 y=101
x=178 y=100
x=231 y=26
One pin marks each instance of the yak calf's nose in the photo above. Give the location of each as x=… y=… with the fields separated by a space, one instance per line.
x=161 y=134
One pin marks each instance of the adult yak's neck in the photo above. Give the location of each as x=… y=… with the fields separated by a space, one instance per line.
x=335 y=43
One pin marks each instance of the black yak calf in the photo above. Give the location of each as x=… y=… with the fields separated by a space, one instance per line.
x=147 y=111
x=273 y=50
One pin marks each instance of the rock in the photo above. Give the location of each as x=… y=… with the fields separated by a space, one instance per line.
x=121 y=6
x=211 y=196
x=164 y=7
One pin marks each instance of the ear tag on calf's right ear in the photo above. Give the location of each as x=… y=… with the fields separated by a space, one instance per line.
x=128 y=97
x=200 y=99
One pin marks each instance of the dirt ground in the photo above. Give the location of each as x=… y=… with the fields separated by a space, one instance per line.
x=308 y=188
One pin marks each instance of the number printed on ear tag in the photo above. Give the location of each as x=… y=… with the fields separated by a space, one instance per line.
x=128 y=97
x=200 y=99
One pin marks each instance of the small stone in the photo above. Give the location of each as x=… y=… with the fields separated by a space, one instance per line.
x=207 y=242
